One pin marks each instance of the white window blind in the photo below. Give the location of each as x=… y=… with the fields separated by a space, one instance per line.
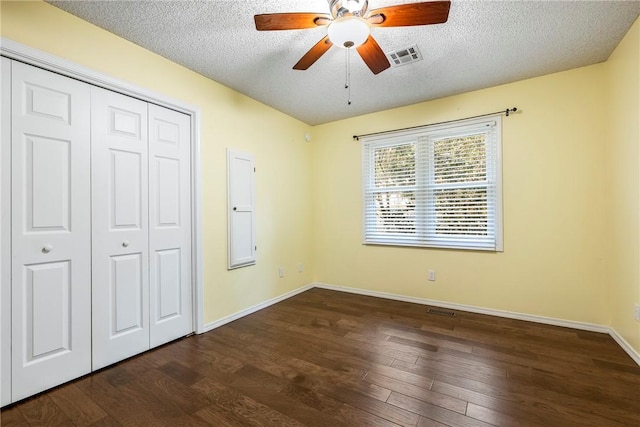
x=437 y=186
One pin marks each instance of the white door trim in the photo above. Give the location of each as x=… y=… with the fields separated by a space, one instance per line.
x=29 y=55
x=5 y=241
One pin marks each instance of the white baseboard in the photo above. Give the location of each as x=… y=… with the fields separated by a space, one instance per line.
x=424 y=301
x=633 y=353
x=253 y=309
x=470 y=308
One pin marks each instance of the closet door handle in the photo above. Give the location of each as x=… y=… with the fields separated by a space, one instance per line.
x=46 y=249
x=125 y=243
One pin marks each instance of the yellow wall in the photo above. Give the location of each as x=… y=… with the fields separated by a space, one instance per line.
x=229 y=119
x=623 y=185
x=554 y=218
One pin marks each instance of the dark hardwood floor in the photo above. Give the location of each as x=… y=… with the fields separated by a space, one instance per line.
x=326 y=358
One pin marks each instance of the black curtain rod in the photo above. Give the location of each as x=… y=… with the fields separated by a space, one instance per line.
x=505 y=112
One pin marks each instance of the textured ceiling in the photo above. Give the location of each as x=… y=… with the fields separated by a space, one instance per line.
x=483 y=44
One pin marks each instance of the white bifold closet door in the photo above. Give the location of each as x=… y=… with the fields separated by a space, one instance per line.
x=170 y=288
x=120 y=230
x=51 y=235
x=95 y=228
x=141 y=226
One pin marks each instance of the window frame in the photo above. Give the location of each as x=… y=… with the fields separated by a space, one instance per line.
x=422 y=138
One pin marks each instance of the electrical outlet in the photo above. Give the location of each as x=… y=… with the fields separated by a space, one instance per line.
x=432 y=275
x=281 y=271
x=300 y=267
x=636 y=312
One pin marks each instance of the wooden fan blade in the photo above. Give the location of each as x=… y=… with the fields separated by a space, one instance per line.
x=373 y=56
x=405 y=15
x=290 y=21
x=314 y=54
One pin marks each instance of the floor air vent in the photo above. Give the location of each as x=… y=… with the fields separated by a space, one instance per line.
x=441 y=312
x=404 y=56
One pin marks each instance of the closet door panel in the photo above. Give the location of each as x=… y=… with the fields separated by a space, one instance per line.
x=127 y=289
x=120 y=227
x=46 y=308
x=50 y=244
x=47 y=184
x=170 y=225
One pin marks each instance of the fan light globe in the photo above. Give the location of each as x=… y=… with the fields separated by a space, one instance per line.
x=348 y=32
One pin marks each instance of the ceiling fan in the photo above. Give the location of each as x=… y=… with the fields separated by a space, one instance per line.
x=349 y=26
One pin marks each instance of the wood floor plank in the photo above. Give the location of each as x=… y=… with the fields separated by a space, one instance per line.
x=437 y=339
x=357 y=417
x=181 y=373
x=41 y=411
x=383 y=347
x=285 y=389
x=325 y=358
x=389 y=412
x=321 y=378
x=614 y=396
x=528 y=418
x=434 y=412
x=425 y=395
x=219 y=415
x=168 y=389
x=538 y=404
x=127 y=410
x=11 y=416
x=295 y=409
x=427 y=422
x=141 y=393
x=475 y=397
x=413 y=343
x=74 y=403
x=344 y=359
x=107 y=421
x=622 y=367
x=496 y=418
x=479 y=383
x=451 y=366
x=248 y=408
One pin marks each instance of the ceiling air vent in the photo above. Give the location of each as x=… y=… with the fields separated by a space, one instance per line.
x=404 y=56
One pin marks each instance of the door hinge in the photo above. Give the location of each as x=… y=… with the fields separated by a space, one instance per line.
x=254 y=169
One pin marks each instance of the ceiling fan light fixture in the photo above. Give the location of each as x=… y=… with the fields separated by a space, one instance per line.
x=349 y=32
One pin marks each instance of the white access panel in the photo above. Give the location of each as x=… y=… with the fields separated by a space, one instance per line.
x=170 y=290
x=5 y=234
x=241 y=209
x=50 y=242
x=120 y=231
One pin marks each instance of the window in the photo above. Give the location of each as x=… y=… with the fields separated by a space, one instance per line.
x=435 y=186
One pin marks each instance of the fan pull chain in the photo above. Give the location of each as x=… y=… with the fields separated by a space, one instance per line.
x=347 y=84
